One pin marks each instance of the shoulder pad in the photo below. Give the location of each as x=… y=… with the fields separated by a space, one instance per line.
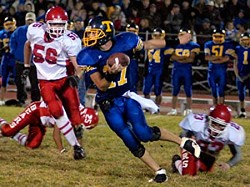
x=236 y=134
x=86 y=57
x=193 y=122
x=129 y=39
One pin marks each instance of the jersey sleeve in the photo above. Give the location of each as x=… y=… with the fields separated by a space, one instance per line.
x=195 y=48
x=236 y=134
x=72 y=44
x=34 y=29
x=207 y=49
x=185 y=123
x=84 y=58
x=194 y=122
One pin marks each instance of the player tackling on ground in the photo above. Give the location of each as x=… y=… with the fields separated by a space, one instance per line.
x=212 y=132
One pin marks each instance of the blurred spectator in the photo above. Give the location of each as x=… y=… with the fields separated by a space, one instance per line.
x=134 y=16
x=79 y=27
x=240 y=19
x=213 y=14
x=126 y=8
x=231 y=31
x=41 y=15
x=144 y=27
x=40 y=4
x=118 y=18
x=174 y=19
x=205 y=31
x=200 y=7
x=242 y=28
x=231 y=9
x=17 y=41
x=189 y=14
x=79 y=11
x=144 y=9
x=199 y=2
x=29 y=6
x=20 y=13
x=97 y=11
x=166 y=8
x=154 y=15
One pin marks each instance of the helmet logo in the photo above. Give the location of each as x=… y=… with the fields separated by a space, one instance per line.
x=108 y=24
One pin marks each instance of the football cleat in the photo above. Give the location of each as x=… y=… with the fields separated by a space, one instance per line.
x=191 y=146
x=242 y=115
x=174 y=159
x=79 y=152
x=173 y=112
x=187 y=111
x=2 y=103
x=160 y=176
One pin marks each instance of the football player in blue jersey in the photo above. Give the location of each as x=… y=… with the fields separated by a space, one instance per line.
x=135 y=59
x=218 y=52
x=182 y=58
x=154 y=72
x=17 y=41
x=8 y=60
x=124 y=115
x=242 y=70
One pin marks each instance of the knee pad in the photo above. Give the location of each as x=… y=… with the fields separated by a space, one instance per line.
x=156 y=133
x=139 y=152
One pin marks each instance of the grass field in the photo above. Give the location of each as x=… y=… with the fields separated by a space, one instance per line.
x=108 y=162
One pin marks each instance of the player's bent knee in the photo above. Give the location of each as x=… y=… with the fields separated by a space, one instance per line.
x=156 y=133
x=56 y=110
x=7 y=131
x=33 y=145
x=139 y=152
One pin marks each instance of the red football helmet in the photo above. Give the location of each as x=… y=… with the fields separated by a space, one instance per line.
x=56 y=19
x=89 y=117
x=219 y=117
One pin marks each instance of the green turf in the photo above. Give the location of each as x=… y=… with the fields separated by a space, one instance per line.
x=108 y=162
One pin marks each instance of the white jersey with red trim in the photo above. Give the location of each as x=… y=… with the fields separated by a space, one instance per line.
x=197 y=124
x=51 y=57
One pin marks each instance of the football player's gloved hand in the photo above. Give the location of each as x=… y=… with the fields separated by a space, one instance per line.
x=26 y=72
x=73 y=81
x=191 y=146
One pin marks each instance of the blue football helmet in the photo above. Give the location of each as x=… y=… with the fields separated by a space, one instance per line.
x=98 y=32
x=245 y=40
x=158 y=33
x=9 y=23
x=219 y=36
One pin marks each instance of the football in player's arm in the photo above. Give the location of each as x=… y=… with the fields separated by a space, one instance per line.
x=212 y=132
x=113 y=83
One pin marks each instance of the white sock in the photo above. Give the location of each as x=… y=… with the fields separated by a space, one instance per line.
x=20 y=138
x=66 y=129
x=178 y=165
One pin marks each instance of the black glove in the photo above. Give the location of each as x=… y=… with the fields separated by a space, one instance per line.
x=73 y=81
x=26 y=72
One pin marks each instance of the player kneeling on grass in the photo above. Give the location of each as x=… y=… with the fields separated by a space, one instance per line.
x=212 y=132
x=37 y=116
